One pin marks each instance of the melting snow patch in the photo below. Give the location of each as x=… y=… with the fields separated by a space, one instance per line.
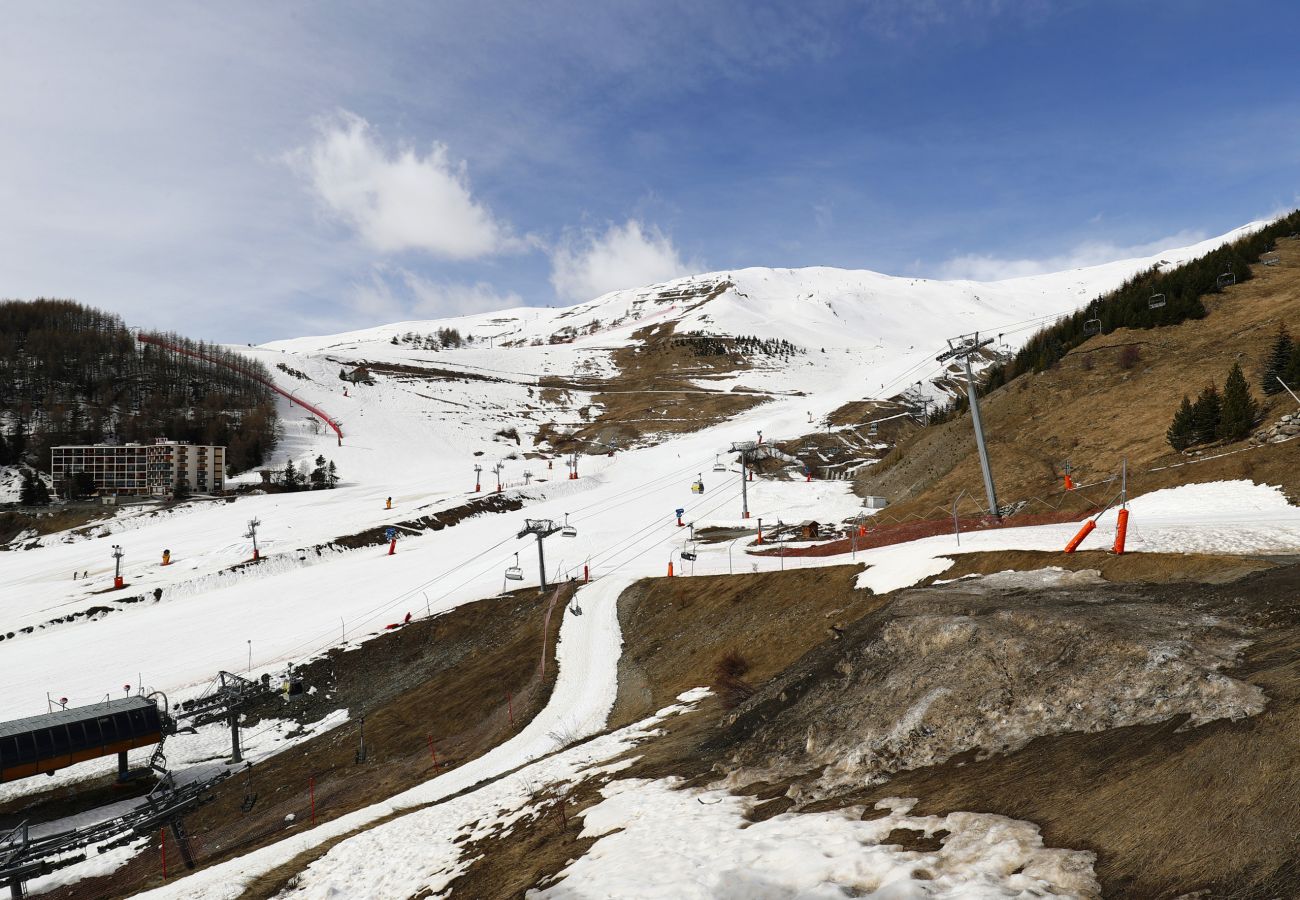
x=659 y=842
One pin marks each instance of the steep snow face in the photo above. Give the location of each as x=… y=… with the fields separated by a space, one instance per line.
x=862 y=335
x=816 y=307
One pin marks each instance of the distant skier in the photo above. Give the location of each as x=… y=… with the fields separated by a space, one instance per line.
x=407 y=620
x=389 y=503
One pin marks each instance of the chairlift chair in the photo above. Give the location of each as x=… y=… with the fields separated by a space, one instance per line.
x=250 y=796
x=568 y=530
x=873 y=429
x=718 y=464
x=1092 y=326
x=514 y=573
x=1156 y=301
x=688 y=552
x=1227 y=279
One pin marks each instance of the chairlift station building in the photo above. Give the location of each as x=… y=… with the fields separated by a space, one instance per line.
x=142 y=470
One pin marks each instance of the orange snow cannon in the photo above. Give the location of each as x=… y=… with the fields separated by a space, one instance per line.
x=1075 y=541
x=1121 y=531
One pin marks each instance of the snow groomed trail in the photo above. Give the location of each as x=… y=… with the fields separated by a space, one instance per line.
x=585 y=689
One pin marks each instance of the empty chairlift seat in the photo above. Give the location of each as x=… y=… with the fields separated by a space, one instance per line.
x=47 y=743
x=1156 y=301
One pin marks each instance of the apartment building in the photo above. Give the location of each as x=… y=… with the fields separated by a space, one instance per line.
x=142 y=470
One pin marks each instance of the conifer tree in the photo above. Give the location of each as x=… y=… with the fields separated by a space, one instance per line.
x=33 y=491
x=1205 y=415
x=1179 y=434
x=1291 y=374
x=1279 y=358
x=318 y=474
x=1239 y=409
x=331 y=475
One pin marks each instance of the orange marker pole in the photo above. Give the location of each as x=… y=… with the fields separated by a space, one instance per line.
x=1075 y=541
x=1121 y=530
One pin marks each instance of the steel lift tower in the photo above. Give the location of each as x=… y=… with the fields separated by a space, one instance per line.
x=543 y=528
x=963 y=348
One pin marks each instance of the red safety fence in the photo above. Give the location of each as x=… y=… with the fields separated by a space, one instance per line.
x=248 y=373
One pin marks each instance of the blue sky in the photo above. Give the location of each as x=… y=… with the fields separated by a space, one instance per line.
x=247 y=171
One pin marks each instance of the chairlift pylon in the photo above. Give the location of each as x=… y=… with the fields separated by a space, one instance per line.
x=1091 y=327
x=1156 y=301
x=514 y=573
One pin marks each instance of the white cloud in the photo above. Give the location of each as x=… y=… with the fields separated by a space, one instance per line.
x=630 y=255
x=392 y=295
x=979 y=267
x=398 y=200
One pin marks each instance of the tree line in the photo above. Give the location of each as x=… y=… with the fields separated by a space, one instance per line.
x=702 y=344
x=72 y=374
x=1183 y=290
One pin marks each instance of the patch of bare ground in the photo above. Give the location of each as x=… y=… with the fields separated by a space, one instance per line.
x=15 y=522
x=463 y=681
x=1169 y=807
x=654 y=393
x=678 y=631
x=671 y=629
x=1093 y=412
x=1141 y=568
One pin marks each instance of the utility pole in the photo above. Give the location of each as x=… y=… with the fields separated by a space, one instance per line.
x=252 y=533
x=542 y=528
x=965 y=347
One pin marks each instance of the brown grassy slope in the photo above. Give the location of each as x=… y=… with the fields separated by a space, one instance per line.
x=676 y=631
x=673 y=639
x=447 y=678
x=1133 y=568
x=653 y=393
x=1096 y=416
x=1168 y=811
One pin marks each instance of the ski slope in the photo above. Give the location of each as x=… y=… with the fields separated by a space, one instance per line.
x=417 y=439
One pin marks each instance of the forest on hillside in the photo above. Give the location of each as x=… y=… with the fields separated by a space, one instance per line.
x=70 y=374
x=1154 y=298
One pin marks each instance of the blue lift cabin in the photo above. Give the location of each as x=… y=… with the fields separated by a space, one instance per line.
x=56 y=740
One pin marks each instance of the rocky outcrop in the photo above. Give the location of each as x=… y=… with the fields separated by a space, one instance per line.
x=1283 y=429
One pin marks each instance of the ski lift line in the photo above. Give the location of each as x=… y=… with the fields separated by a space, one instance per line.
x=292 y=653
x=636 y=536
x=673 y=536
x=676 y=473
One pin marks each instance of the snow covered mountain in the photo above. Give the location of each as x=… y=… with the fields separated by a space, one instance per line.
x=416 y=421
